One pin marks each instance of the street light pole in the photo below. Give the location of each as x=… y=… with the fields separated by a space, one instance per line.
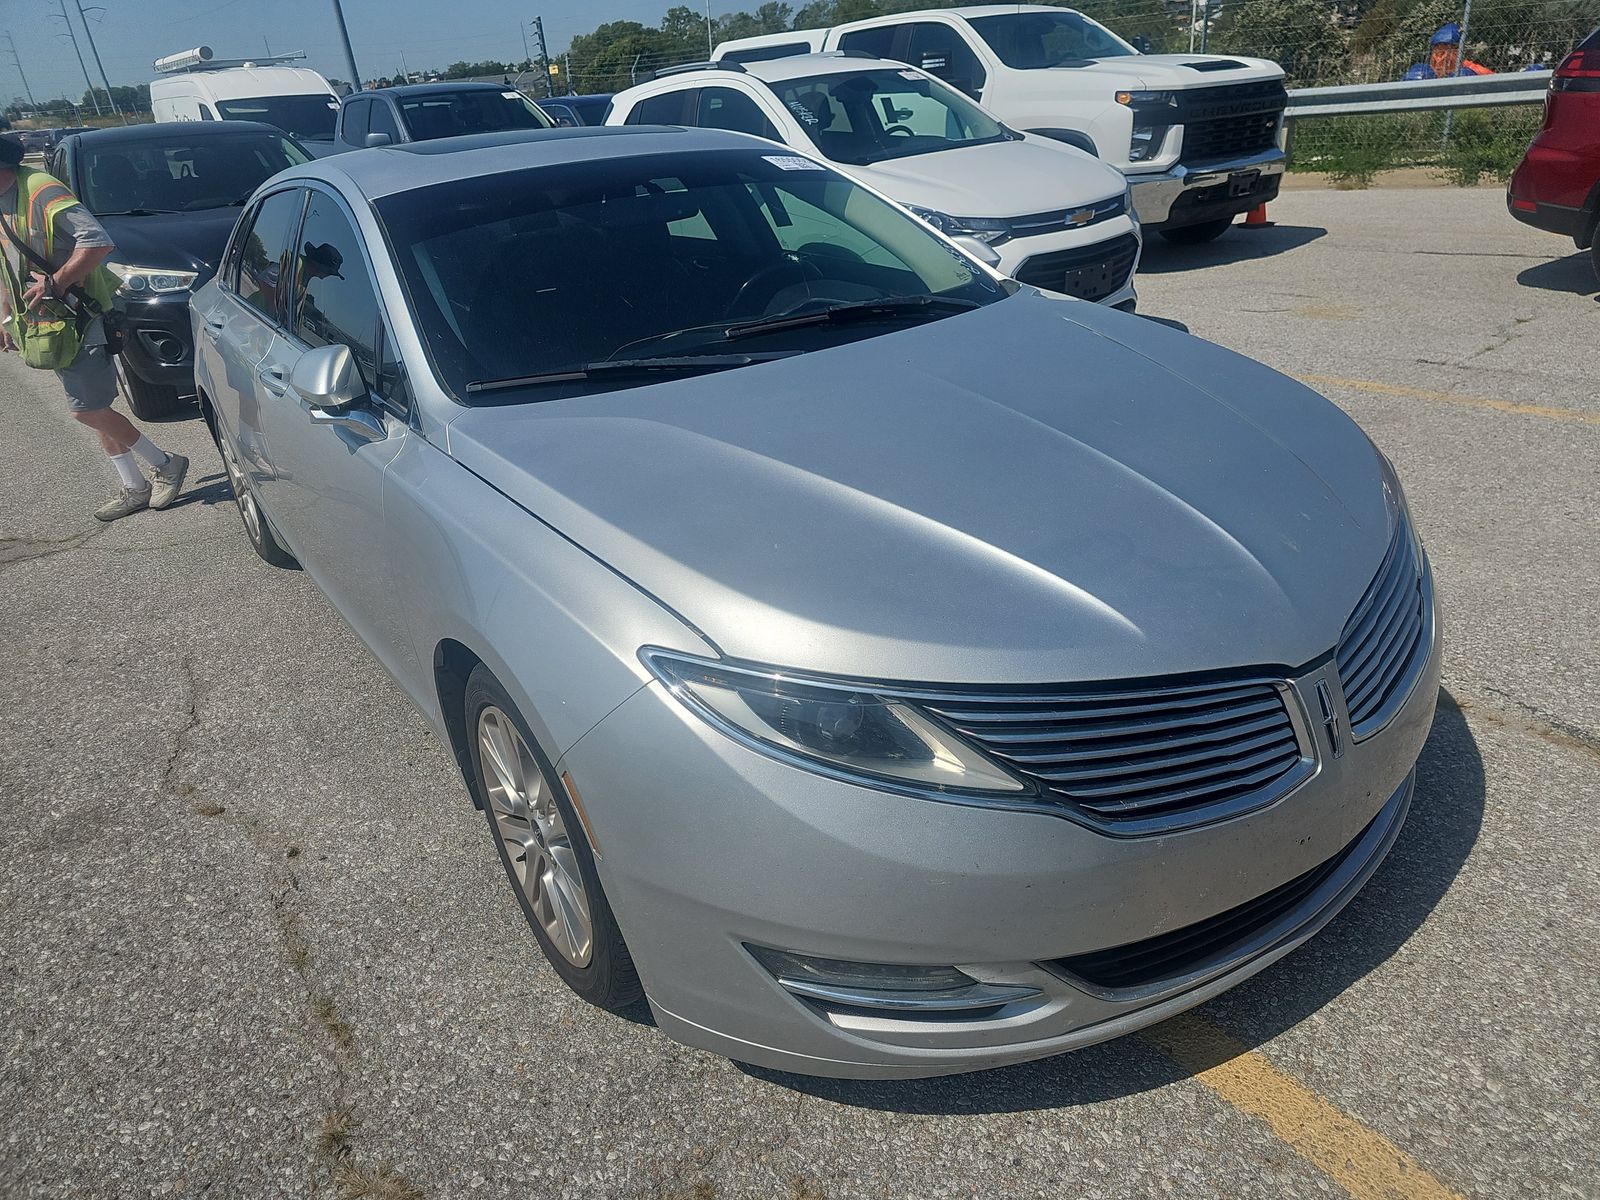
x=99 y=66
x=349 y=54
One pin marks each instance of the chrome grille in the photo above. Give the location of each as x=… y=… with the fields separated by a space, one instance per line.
x=1143 y=760
x=1382 y=642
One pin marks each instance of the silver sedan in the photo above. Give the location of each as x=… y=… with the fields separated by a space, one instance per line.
x=883 y=668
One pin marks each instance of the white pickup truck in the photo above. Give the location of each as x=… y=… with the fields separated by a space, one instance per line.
x=1198 y=136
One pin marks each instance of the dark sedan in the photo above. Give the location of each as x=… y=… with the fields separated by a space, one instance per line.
x=168 y=194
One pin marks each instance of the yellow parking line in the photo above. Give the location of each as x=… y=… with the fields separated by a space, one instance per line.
x=1412 y=393
x=1362 y=1161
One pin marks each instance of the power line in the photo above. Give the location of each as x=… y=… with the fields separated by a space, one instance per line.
x=87 y=82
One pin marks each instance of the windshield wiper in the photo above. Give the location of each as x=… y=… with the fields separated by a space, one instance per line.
x=139 y=212
x=859 y=310
x=687 y=365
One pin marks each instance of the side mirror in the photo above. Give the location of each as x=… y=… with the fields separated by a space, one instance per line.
x=377 y=139
x=327 y=378
x=1143 y=44
x=982 y=251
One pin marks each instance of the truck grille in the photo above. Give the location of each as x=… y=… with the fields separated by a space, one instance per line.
x=1382 y=642
x=1087 y=272
x=1226 y=122
x=1142 y=760
x=1195 y=947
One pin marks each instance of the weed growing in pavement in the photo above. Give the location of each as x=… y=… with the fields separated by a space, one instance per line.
x=209 y=808
x=381 y=1183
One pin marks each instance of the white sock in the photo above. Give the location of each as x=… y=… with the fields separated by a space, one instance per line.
x=132 y=477
x=149 y=451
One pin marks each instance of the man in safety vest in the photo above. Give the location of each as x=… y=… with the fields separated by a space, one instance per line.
x=52 y=255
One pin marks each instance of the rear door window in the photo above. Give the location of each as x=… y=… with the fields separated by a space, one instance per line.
x=942 y=52
x=725 y=108
x=264 y=258
x=665 y=109
x=876 y=43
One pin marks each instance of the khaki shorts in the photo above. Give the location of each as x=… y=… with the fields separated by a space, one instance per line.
x=91 y=380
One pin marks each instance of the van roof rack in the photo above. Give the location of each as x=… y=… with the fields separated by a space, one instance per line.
x=200 y=59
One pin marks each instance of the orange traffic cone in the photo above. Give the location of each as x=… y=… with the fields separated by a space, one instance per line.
x=1257 y=218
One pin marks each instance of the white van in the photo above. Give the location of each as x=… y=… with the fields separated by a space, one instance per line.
x=1197 y=135
x=193 y=86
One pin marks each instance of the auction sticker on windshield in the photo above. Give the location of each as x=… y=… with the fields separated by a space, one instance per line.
x=789 y=162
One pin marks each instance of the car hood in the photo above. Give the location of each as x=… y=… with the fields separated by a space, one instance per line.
x=1041 y=490
x=185 y=241
x=1178 y=72
x=1002 y=179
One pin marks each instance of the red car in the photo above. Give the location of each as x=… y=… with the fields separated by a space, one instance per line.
x=1556 y=187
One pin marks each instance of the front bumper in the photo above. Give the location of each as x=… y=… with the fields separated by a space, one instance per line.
x=708 y=846
x=1061 y=261
x=1188 y=195
x=158 y=343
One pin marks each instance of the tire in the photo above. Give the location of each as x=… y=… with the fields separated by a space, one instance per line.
x=555 y=854
x=1197 y=235
x=256 y=526
x=149 y=401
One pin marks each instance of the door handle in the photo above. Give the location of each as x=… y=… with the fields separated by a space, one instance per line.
x=212 y=328
x=274 y=380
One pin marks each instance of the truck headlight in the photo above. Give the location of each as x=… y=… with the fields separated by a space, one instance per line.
x=1146 y=141
x=985 y=229
x=150 y=281
x=837 y=728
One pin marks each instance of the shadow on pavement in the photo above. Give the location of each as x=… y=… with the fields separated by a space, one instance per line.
x=1239 y=244
x=1440 y=832
x=1575 y=274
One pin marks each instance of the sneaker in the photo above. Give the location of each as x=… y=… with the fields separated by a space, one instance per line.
x=125 y=503
x=168 y=480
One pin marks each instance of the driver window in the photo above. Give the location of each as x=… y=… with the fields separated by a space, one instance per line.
x=941 y=51
x=333 y=300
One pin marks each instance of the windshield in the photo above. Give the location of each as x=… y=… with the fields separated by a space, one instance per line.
x=175 y=175
x=451 y=114
x=310 y=118
x=1029 y=41
x=656 y=256
x=868 y=116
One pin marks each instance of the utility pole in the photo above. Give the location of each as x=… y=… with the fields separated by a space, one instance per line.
x=544 y=55
x=527 y=55
x=87 y=82
x=99 y=66
x=17 y=62
x=405 y=68
x=349 y=54
x=708 y=30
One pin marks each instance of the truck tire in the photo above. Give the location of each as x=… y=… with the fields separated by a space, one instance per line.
x=149 y=401
x=1197 y=235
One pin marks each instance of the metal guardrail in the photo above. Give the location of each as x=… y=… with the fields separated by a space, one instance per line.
x=1465 y=91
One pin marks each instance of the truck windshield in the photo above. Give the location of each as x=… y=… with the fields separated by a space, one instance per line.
x=868 y=116
x=309 y=117
x=178 y=174
x=452 y=114
x=1031 y=41
x=660 y=261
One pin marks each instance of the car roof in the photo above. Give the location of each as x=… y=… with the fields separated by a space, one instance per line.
x=186 y=131
x=389 y=170
x=775 y=70
x=434 y=89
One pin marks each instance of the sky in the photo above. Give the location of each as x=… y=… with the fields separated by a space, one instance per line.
x=130 y=34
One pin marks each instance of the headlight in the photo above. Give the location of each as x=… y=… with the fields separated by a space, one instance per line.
x=150 y=281
x=985 y=229
x=1396 y=494
x=1153 y=113
x=835 y=728
x=1146 y=141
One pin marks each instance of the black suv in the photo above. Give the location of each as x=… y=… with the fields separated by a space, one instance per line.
x=168 y=194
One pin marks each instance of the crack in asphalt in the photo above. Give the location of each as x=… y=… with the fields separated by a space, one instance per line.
x=326 y=1032
x=1524 y=718
x=15 y=550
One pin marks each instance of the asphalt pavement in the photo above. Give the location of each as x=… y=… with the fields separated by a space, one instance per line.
x=255 y=941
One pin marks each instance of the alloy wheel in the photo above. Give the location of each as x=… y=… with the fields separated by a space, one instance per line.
x=534 y=837
x=241 y=491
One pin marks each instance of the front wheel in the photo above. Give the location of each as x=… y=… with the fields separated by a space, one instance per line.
x=262 y=540
x=545 y=851
x=149 y=401
x=1196 y=235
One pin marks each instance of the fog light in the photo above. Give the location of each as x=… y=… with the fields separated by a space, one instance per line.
x=889 y=986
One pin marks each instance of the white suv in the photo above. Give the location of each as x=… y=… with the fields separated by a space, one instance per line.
x=1048 y=214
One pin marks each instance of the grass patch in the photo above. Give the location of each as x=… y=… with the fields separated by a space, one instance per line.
x=209 y=808
x=333 y=1143
x=328 y=1016
x=380 y=1183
